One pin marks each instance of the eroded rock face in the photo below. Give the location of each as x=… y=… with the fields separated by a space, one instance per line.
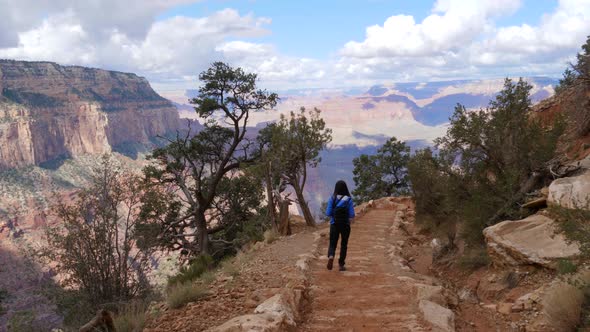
x=48 y=111
x=571 y=192
x=532 y=240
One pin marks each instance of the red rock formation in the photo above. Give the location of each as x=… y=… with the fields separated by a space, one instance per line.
x=48 y=111
x=574 y=105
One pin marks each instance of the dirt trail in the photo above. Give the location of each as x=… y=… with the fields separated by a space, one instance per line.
x=369 y=296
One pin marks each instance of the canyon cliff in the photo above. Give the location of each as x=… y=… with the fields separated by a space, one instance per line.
x=48 y=111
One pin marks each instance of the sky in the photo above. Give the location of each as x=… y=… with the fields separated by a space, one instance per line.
x=300 y=44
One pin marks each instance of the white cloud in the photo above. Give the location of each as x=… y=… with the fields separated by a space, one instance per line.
x=98 y=18
x=172 y=48
x=557 y=35
x=454 y=24
x=458 y=39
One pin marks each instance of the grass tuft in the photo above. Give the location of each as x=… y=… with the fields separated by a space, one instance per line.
x=183 y=293
x=132 y=318
x=270 y=236
x=193 y=271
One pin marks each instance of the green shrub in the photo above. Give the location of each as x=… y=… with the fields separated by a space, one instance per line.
x=575 y=225
x=183 y=293
x=194 y=270
x=565 y=266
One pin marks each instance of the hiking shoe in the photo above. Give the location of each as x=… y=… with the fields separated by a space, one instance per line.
x=342 y=268
x=330 y=263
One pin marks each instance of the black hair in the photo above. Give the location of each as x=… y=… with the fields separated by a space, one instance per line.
x=341 y=189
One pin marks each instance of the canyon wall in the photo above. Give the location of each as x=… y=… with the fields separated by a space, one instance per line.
x=48 y=111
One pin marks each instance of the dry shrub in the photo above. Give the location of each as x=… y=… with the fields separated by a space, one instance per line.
x=270 y=236
x=563 y=305
x=132 y=318
x=181 y=294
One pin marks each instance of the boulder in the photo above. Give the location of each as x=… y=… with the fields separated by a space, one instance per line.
x=262 y=323
x=559 y=304
x=571 y=192
x=430 y=293
x=281 y=306
x=530 y=241
x=439 y=316
x=278 y=313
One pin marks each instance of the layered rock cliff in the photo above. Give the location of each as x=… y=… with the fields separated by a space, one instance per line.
x=48 y=111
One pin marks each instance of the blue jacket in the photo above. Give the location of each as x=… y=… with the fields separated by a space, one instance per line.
x=343 y=200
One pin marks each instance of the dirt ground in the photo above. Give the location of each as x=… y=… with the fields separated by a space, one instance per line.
x=261 y=273
x=368 y=296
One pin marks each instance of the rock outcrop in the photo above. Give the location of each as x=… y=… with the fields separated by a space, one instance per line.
x=571 y=192
x=530 y=241
x=48 y=111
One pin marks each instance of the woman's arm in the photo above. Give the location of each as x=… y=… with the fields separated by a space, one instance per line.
x=351 y=213
x=330 y=208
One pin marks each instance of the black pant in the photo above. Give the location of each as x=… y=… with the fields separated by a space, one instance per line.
x=335 y=231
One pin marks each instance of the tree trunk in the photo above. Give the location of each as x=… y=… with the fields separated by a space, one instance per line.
x=203 y=235
x=284 y=224
x=270 y=197
x=303 y=204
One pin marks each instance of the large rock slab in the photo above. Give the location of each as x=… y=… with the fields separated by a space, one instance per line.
x=571 y=192
x=276 y=314
x=530 y=241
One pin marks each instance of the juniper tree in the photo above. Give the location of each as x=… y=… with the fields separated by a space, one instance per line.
x=295 y=144
x=194 y=166
x=488 y=160
x=383 y=174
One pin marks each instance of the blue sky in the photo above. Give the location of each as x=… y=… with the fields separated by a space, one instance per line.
x=301 y=44
x=317 y=29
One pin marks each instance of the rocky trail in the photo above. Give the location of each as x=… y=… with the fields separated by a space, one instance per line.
x=369 y=296
x=285 y=286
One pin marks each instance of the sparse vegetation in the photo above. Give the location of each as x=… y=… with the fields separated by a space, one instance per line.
x=270 y=236
x=566 y=266
x=95 y=241
x=230 y=268
x=575 y=225
x=132 y=317
x=193 y=271
x=183 y=293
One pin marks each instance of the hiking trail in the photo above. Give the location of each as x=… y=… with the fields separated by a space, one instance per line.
x=376 y=293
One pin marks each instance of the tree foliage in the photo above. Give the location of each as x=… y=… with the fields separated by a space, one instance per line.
x=568 y=80
x=578 y=72
x=295 y=143
x=383 y=174
x=486 y=163
x=94 y=242
x=193 y=168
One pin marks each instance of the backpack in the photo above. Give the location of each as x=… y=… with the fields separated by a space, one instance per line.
x=340 y=212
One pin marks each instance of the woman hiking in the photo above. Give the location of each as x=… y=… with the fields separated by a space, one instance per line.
x=340 y=210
